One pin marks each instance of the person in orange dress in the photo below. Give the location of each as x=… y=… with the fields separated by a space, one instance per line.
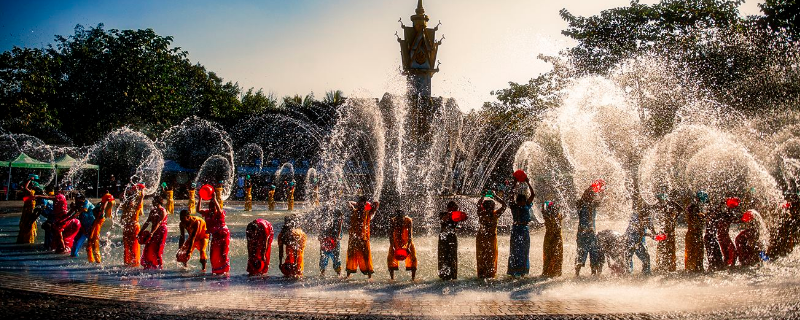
x=401 y=238
x=195 y=227
x=359 y=255
x=132 y=207
x=291 y=245
x=102 y=211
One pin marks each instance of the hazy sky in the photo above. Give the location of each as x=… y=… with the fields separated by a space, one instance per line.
x=299 y=46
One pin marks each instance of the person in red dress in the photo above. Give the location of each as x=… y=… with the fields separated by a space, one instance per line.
x=220 y=236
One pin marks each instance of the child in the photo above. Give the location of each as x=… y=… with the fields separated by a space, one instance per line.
x=195 y=227
x=486 y=238
x=614 y=251
x=401 y=237
x=292 y=241
x=330 y=240
x=259 y=245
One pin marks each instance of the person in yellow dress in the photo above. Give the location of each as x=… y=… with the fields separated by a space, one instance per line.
x=486 y=238
x=27 y=221
x=666 y=259
x=248 y=194
x=553 y=246
x=694 y=243
x=218 y=190
x=131 y=211
x=290 y=197
x=359 y=255
x=102 y=211
x=169 y=196
x=292 y=243
x=192 y=200
x=401 y=237
x=271 y=198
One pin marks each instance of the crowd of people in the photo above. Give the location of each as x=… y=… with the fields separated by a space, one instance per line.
x=71 y=226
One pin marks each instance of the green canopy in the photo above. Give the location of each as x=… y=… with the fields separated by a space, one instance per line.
x=24 y=161
x=65 y=162
x=3 y=163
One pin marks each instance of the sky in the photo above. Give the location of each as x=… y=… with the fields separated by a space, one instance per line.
x=301 y=46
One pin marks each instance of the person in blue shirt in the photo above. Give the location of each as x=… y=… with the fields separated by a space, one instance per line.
x=587 y=236
x=520 y=246
x=86 y=216
x=635 y=239
x=45 y=209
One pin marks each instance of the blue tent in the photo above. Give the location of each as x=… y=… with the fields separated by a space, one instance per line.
x=172 y=166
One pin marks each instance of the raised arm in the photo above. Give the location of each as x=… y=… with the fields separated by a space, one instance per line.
x=374 y=208
x=502 y=207
x=215 y=203
x=530 y=188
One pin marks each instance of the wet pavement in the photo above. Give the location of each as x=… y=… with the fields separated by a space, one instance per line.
x=35 y=283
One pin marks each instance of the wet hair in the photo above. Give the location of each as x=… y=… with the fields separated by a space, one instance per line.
x=488 y=204
x=522 y=198
x=452 y=205
x=362 y=199
x=158 y=200
x=184 y=213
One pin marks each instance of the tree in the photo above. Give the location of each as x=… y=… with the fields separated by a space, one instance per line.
x=28 y=80
x=620 y=33
x=257 y=102
x=781 y=16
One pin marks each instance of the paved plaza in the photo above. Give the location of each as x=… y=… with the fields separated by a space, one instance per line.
x=36 y=283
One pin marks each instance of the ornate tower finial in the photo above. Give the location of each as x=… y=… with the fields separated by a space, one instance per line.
x=419 y=48
x=420 y=16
